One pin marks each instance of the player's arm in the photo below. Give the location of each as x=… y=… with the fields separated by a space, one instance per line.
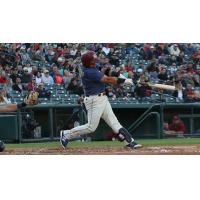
x=115 y=81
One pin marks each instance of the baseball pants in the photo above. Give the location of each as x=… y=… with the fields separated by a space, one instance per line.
x=97 y=107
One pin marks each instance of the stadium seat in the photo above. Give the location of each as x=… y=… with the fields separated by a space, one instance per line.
x=17 y=100
x=56 y=100
x=43 y=100
x=155 y=96
x=68 y=100
x=15 y=95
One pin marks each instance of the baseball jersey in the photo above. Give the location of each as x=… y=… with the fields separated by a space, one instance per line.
x=91 y=80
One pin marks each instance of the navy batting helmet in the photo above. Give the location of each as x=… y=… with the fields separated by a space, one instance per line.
x=89 y=59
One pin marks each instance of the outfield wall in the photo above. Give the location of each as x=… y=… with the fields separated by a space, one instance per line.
x=52 y=118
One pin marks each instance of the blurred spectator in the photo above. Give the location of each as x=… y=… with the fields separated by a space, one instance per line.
x=3 y=98
x=119 y=92
x=196 y=56
x=174 y=50
x=43 y=93
x=38 y=78
x=176 y=127
x=142 y=89
x=3 y=78
x=110 y=92
x=26 y=77
x=32 y=85
x=67 y=78
x=191 y=95
x=196 y=80
x=15 y=74
x=74 y=88
x=162 y=75
x=46 y=78
x=106 y=49
x=172 y=69
x=58 y=78
x=179 y=93
x=18 y=86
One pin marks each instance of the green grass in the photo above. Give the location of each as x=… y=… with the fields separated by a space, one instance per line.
x=152 y=142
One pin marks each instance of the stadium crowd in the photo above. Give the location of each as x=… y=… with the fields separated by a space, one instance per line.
x=31 y=67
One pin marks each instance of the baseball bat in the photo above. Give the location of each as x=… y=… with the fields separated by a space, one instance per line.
x=162 y=86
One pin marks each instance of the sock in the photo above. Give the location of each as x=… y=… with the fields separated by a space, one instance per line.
x=126 y=143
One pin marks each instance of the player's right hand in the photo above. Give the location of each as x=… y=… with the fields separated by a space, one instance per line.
x=128 y=81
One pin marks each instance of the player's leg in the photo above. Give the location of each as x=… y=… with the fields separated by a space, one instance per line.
x=122 y=133
x=95 y=107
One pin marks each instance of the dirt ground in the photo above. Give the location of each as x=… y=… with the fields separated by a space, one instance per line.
x=105 y=150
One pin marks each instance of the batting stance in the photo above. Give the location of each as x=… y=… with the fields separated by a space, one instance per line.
x=97 y=104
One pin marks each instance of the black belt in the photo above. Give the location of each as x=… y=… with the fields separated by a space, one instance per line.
x=100 y=94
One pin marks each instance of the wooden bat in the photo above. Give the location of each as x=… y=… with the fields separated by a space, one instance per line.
x=162 y=86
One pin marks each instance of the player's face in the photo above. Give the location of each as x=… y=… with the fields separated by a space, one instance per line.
x=94 y=61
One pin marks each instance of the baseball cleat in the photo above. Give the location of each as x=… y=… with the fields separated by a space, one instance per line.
x=134 y=145
x=63 y=140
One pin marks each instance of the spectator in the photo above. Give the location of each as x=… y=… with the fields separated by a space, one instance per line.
x=24 y=55
x=180 y=92
x=67 y=78
x=74 y=88
x=46 y=78
x=176 y=128
x=14 y=74
x=191 y=95
x=174 y=50
x=142 y=88
x=26 y=77
x=18 y=86
x=58 y=78
x=32 y=85
x=3 y=78
x=43 y=93
x=110 y=92
x=196 y=80
x=38 y=78
x=172 y=69
x=163 y=76
x=106 y=49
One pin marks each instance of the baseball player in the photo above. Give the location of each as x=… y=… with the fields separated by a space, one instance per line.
x=97 y=104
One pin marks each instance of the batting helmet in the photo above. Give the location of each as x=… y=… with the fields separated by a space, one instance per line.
x=2 y=146
x=89 y=59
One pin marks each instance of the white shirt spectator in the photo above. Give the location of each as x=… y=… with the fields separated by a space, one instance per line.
x=174 y=50
x=38 y=80
x=106 y=50
x=46 y=78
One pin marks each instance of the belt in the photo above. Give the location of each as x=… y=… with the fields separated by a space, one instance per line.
x=100 y=94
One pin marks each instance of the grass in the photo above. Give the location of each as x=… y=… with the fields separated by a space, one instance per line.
x=151 y=142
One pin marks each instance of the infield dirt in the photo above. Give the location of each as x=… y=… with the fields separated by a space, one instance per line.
x=108 y=150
